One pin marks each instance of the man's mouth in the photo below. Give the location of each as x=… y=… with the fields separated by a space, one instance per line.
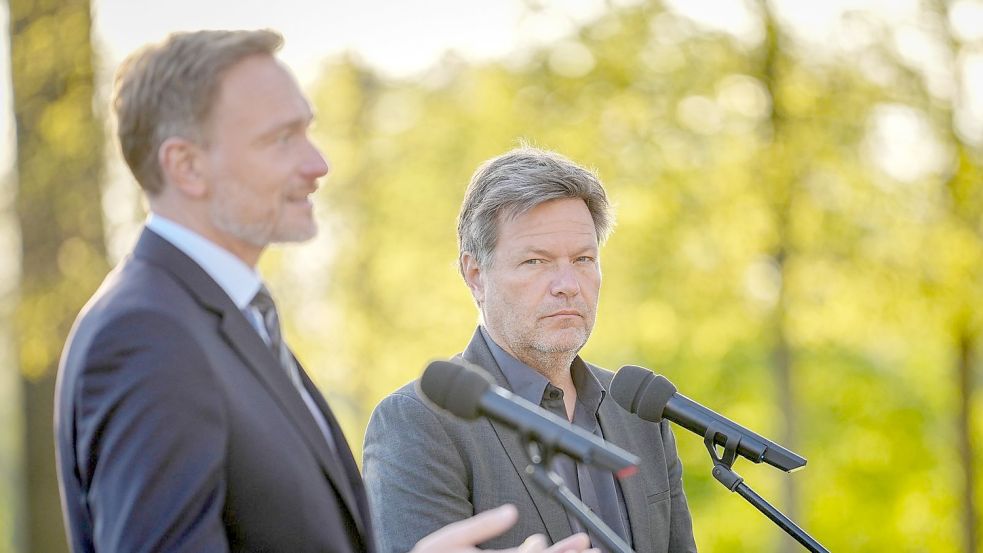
x=565 y=313
x=305 y=197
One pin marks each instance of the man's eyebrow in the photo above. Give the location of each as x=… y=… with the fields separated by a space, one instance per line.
x=297 y=123
x=533 y=250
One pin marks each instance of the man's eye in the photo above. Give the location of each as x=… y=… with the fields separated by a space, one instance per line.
x=533 y=262
x=585 y=259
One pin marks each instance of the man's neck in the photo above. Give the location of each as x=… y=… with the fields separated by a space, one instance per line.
x=556 y=368
x=195 y=222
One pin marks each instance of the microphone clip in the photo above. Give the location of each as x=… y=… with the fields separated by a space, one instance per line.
x=722 y=464
x=722 y=472
x=553 y=485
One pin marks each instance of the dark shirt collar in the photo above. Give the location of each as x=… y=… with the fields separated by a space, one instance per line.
x=530 y=385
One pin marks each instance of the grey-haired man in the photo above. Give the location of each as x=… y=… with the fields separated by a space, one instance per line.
x=530 y=231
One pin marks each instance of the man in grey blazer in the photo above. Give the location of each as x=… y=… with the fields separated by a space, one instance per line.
x=183 y=421
x=529 y=232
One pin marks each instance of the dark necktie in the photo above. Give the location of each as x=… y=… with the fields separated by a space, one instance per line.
x=263 y=303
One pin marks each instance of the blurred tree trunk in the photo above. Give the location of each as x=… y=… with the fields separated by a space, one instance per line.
x=59 y=159
x=962 y=186
x=779 y=168
x=964 y=369
x=965 y=194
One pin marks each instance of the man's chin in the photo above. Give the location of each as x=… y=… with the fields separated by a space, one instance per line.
x=568 y=340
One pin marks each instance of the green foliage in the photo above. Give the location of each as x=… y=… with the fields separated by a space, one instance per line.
x=750 y=220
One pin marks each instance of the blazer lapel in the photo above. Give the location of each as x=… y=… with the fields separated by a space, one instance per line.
x=550 y=510
x=260 y=359
x=251 y=348
x=347 y=472
x=614 y=425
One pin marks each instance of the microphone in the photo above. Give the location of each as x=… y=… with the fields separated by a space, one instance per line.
x=470 y=393
x=652 y=397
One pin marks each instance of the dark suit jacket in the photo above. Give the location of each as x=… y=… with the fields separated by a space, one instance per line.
x=177 y=430
x=425 y=468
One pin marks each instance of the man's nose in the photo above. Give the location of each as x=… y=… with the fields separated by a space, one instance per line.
x=565 y=281
x=314 y=165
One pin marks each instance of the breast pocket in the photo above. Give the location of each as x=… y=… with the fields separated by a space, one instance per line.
x=658 y=511
x=658 y=497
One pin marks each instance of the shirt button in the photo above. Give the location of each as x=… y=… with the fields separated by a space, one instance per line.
x=554 y=394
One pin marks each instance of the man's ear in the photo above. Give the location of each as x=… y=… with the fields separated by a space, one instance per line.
x=473 y=277
x=181 y=164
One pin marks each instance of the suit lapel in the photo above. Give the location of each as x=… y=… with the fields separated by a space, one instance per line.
x=614 y=425
x=348 y=472
x=550 y=511
x=260 y=359
x=256 y=355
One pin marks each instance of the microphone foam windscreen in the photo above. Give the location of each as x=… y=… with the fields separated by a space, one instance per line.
x=638 y=390
x=455 y=387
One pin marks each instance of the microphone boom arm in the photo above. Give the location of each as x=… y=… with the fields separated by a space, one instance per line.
x=718 y=433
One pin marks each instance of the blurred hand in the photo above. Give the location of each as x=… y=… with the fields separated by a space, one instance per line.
x=464 y=536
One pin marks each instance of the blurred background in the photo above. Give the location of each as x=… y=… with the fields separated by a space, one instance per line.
x=799 y=246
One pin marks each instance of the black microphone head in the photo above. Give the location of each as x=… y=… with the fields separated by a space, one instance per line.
x=638 y=390
x=455 y=387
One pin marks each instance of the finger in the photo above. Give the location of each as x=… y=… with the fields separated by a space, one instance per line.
x=576 y=542
x=477 y=529
x=535 y=543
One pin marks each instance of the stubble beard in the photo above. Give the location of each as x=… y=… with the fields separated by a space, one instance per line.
x=547 y=356
x=259 y=233
x=255 y=233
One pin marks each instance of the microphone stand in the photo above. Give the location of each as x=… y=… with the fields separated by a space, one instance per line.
x=551 y=483
x=733 y=482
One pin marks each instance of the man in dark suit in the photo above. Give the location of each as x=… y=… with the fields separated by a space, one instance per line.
x=183 y=421
x=529 y=231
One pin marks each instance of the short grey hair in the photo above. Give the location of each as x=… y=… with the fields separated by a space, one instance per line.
x=513 y=183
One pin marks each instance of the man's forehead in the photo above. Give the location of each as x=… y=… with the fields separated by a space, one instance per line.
x=550 y=235
x=261 y=92
x=566 y=216
x=559 y=229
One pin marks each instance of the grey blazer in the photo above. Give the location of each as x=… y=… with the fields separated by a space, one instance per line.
x=424 y=468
